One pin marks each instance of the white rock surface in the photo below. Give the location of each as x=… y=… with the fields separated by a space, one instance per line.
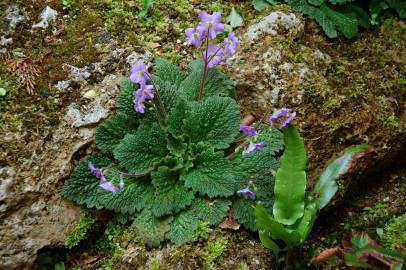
x=273 y=24
x=13 y=17
x=48 y=15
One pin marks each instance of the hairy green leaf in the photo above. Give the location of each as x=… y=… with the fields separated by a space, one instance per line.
x=243 y=212
x=216 y=83
x=325 y=186
x=170 y=194
x=168 y=72
x=214 y=121
x=137 y=193
x=138 y=152
x=290 y=184
x=150 y=228
x=212 y=212
x=212 y=175
x=315 y=13
x=182 y=227
x=345 y=22
x=83 y=185
x=109 y=134
x=125 y=103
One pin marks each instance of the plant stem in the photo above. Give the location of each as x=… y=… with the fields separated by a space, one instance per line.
x=158 y=103
x=206 y=63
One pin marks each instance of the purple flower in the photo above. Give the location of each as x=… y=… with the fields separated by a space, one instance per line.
x=248 y=130
x=230 y=44
x=103 y=181
x=246 y=192
x=253 y=147
x=214 y=55
x=98 y=173
x=194 y=37
x=210 y=25
x=286 y=114
x=139 y=101
x=108 y=186
x=139 y=73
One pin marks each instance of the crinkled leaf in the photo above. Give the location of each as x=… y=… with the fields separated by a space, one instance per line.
x=214 y=121
x=150 y=228
x=362 y=16
x=243 y=212
x=133 y=198
x=345 y=22
x=325 y=186
x=211 y=212
x=216 y=83
x=259 y=168
x=290 y=183
x=125 y=101
x=138 y=152
x=212 y=175
x=182 y=227
x=109 y=134
x=168 y=92
x=314 y=12
x=83 y=185
x=170 y=194
x=168 y=72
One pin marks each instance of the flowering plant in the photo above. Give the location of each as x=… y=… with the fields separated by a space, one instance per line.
x=175 y=154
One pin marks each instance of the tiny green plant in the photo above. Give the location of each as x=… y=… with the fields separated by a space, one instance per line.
x=344 y=16
x=175 y=154
x=294 y=210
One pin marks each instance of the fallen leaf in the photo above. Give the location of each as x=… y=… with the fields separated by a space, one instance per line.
x=229 y=222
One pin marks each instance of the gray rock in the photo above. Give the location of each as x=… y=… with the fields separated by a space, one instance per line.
x=273 y=24
x=13 y=18
x=4 y=41
x=79 y=75
x=48 y=15
x=32 y=213
x=99 y=107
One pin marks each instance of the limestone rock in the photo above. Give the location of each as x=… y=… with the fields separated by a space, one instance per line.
x=48 y=15
x=273 y=24
x=32 y=213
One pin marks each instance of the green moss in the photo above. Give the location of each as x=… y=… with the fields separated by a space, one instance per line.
x=202 y=231
x=394 y=234
x=81 y=230
x=154 y=264
x=212 y=251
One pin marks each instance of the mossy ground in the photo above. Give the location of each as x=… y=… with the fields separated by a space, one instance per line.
x=361 y=98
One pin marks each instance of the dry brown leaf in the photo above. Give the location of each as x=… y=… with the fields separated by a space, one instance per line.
x=229 y=222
